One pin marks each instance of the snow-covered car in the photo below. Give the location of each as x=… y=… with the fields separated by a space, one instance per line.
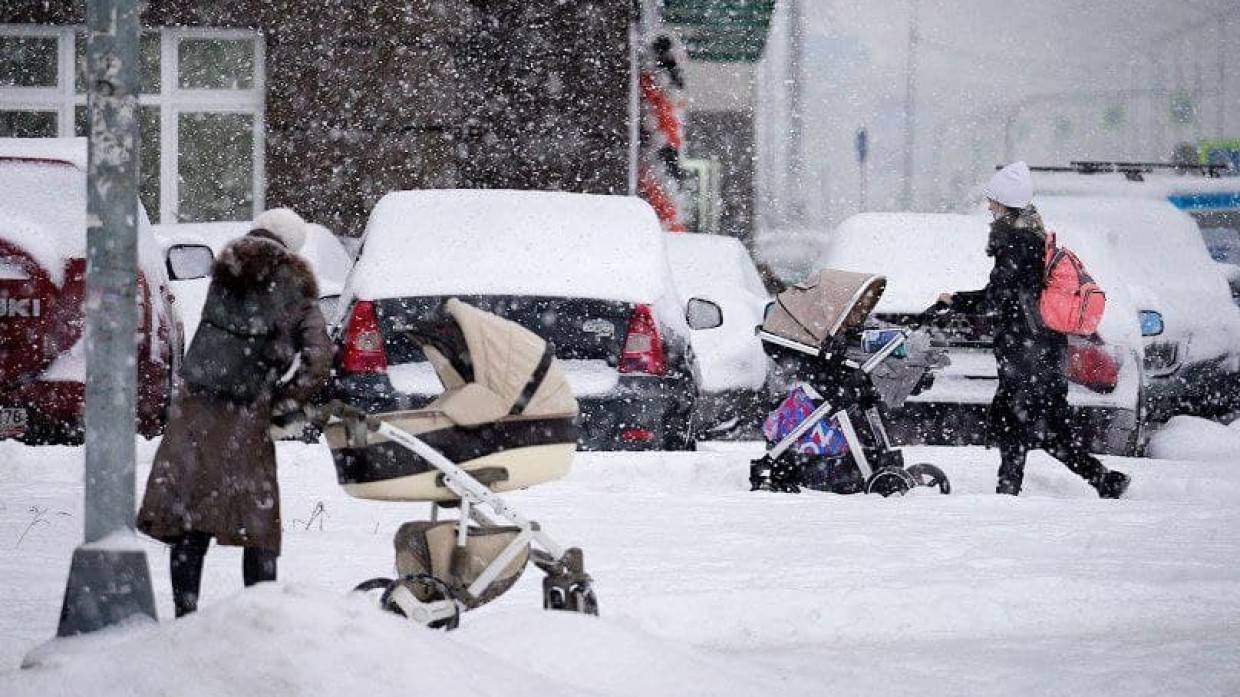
x=925 y=254
x=1192 y=326
x=735 y=369
x=323 y=250
x=1213 y=201
x=588 y=273
x=42 y=289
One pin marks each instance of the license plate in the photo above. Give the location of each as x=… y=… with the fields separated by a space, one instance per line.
x=13 y=422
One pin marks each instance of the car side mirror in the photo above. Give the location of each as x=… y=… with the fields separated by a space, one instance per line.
x=329 y=305
x=1151 y=322
x=187 y=262
x=703 y=314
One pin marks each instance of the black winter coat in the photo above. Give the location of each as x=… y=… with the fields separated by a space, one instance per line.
x=1032 y=399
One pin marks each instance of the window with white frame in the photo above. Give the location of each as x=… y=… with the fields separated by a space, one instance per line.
x=202 y=104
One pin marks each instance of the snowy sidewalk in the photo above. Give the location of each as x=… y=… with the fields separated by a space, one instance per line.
x=704 y=587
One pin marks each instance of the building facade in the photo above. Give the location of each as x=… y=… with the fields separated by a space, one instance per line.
x=325 y=107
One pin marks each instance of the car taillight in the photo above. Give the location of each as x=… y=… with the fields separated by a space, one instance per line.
x=643 y=348
x=1093 y=366
x=636 y=435
x=363 y=343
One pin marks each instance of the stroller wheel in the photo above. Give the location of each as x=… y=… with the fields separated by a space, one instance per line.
x=890 y=480
x=582 y=599
x=929 y=475
x=423 y=599
x=373 y=584
x=577 y=597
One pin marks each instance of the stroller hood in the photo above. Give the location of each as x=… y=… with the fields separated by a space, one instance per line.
x=491 y=367
x=824 y=305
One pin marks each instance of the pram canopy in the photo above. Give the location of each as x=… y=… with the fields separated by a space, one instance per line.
x=824 y=305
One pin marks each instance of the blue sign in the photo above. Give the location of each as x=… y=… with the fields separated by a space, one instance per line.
x=1206 y=202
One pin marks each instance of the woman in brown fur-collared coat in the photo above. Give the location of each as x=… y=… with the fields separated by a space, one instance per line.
x=214 y=474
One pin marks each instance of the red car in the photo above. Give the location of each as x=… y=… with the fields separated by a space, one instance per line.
x=42 y=288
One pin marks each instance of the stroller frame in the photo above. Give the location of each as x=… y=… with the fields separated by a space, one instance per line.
x=889 y=476
x=566 y=587
x=841 y=416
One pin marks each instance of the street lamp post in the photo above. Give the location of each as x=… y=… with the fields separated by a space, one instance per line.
x=109 y=580
x=910 y=109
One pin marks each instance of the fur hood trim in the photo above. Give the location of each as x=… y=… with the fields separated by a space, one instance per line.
x=254 y=260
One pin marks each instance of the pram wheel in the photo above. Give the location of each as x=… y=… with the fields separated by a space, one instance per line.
x=890 y=480
x=373 y=584
x=423 y=599
x=929 y=475
x=579 y=597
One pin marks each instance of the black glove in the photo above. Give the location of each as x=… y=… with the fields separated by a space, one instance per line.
x=291 y=421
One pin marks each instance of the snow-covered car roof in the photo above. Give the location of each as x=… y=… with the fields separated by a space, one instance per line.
x=925 y=254
x=1115 y=184
x=719 y=269
x=711 y=264
x=500 y=242
x=1166 y=263
x=71 y=150
x=46 y=216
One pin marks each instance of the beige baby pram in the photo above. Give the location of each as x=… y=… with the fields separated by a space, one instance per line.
x=506 y=420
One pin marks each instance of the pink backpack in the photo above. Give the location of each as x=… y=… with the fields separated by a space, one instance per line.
x=1071 y=302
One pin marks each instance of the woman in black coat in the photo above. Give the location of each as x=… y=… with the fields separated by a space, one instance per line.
x=1030 y=409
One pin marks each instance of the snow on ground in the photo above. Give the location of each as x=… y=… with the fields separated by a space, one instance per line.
x=705 y=589
x=1193 y=438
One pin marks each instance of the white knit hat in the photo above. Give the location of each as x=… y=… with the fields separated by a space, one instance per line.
x=285 y=224
x=1011 y=186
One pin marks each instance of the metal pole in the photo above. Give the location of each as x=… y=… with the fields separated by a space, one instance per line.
x=796 y=120
x=109 y=580
x=910 y=108
x=1220 y=34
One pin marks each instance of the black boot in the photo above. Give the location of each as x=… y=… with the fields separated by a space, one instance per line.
x=1112 y=485
x=1011 y=468
x=185 y=566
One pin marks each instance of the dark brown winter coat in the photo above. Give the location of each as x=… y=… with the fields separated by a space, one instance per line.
x=215 y=471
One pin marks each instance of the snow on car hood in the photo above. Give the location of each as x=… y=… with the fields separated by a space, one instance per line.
x=496 y=242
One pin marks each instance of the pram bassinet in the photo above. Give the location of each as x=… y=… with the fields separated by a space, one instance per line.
x=507 y=414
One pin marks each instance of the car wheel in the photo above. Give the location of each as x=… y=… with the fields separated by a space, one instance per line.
x=680 y=432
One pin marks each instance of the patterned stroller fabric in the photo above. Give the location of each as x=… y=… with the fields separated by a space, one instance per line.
x=823 y=439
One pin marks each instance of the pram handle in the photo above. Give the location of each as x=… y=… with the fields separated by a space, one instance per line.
x=322 y=414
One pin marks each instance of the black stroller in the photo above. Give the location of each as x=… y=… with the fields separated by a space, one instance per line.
x=817 y=332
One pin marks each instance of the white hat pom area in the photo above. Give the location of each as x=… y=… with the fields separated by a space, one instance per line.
x=1011 y=186
x=285 y=224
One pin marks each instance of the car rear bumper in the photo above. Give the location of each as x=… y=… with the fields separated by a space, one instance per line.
x=638 y=414
x=53 y=412
x=1107 y=430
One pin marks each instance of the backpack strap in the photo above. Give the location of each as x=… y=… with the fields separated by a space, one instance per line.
x=1053 y=255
